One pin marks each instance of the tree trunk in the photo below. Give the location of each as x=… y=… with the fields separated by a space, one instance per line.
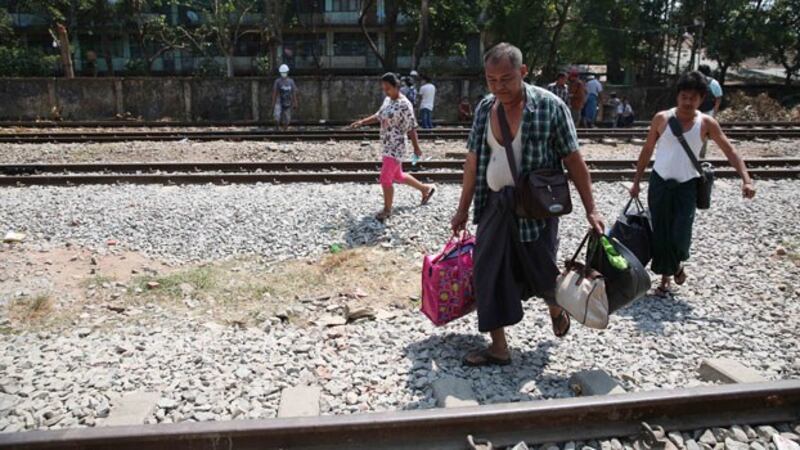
x=419 y=47
x=362 y=23
x=273 y=12
x=391 y=36
x=64 y=47
x=549 y=70
x=229 y=63
x=106 y=44
x=723 y=71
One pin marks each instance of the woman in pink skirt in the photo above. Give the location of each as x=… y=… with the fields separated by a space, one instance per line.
x=398 y=124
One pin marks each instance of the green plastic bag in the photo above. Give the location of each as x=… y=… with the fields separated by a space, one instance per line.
x=614 y=258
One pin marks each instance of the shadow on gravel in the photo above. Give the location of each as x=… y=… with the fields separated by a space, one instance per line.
x=652 y=312
x=366 y=231
x=442 y=356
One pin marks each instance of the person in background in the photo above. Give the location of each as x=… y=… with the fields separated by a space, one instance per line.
x=713 y=99
x=672 y=187
x=624 y=114
x=427 y=98
x=515 y=259
x=577 y=96
x=398 y=124
x=409 y=89
x=593 y=90
x=613 y=105
x=464 y=110
x=284 y=98
x=559 y=87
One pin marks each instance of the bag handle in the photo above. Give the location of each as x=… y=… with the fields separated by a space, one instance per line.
x=638 y=203
x=677 y=130
x=505 y=132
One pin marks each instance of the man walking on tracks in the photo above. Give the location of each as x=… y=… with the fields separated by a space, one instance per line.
x=673 y=184
x=515 y=258
x=284 y=98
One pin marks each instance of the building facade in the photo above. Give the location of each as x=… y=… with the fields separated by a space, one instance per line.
x=318 y=36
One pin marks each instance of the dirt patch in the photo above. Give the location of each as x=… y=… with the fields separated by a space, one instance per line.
x=248 y=292
x=758 y=108
x=62 y=287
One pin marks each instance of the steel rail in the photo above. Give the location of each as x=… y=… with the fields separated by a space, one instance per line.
x=315 y=166
x=314 y=177
x=251 y=123
x=334 y=135
x=560 y=420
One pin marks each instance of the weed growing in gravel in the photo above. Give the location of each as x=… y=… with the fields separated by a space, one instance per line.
x=31 y=308
x=201 y=279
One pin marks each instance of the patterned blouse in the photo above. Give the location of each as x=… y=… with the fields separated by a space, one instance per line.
x=397 y=119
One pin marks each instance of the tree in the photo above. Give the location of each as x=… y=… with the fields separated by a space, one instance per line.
x=422 y=34
x=62 y=15
x=365 y=8
x=222 y=22
x=6 y=29
x=731 y=32
x=783 y=34
x=153 y=33
x=274 y=11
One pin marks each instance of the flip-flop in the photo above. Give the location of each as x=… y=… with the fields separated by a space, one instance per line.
x=427 y=197
x=680 y=276
x=382 y=216
x=485 y=359
x=560 y=320
x=663 y=292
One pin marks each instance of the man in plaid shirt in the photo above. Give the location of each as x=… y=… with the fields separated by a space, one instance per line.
x=559 y=87
x=515 y=258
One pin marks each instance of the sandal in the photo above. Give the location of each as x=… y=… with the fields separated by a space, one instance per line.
x=663 y=292
x=482 y=358
x=560 y=320
x=427 y=197
x=382 y=216
x=680 y=276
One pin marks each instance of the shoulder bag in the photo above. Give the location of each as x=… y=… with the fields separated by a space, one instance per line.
x=539 y=194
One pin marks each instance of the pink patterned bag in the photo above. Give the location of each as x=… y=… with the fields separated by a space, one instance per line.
x=447 y=291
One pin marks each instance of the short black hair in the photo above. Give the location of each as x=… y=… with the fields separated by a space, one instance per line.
x=705 y=70
x=692 y=81
x=391 y=78
x=561 y=74
x=424 y=77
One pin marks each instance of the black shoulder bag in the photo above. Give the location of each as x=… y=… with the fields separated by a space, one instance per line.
x=706 y=181
x=540 y=194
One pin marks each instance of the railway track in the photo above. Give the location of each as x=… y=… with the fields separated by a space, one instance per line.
x=789 y=132
x=445 y=171
x=536 y=422
x=251 y=123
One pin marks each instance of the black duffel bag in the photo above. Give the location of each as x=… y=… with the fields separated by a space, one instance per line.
x=623 y=286
x=634 y=230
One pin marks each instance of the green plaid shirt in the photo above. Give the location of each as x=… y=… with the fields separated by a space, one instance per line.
x=548 y=134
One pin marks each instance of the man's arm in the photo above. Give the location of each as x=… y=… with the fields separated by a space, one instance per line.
x=579 y=174
x=717 y=102
x=647 y=152
x=295 y=101
x=459 y=221
x=715 y=132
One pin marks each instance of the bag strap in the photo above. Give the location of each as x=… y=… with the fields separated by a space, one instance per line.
x=677 y=130
x=580 y=247
x=505 y=132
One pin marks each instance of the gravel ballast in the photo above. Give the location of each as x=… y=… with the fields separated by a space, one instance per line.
x=740 y=302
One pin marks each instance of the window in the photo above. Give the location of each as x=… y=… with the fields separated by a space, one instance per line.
x=345 y=5
x=351 y=44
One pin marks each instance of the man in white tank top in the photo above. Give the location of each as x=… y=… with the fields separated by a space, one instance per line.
x=673 y=182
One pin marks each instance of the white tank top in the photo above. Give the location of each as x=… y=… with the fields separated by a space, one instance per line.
x=498 y=172
x=672 y=162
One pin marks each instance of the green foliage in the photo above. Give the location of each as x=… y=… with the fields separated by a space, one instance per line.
x=137 y=67
x=781 y=36
x=6 y=31
x=208 y=67
x=263 y=65
x=24 y=62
